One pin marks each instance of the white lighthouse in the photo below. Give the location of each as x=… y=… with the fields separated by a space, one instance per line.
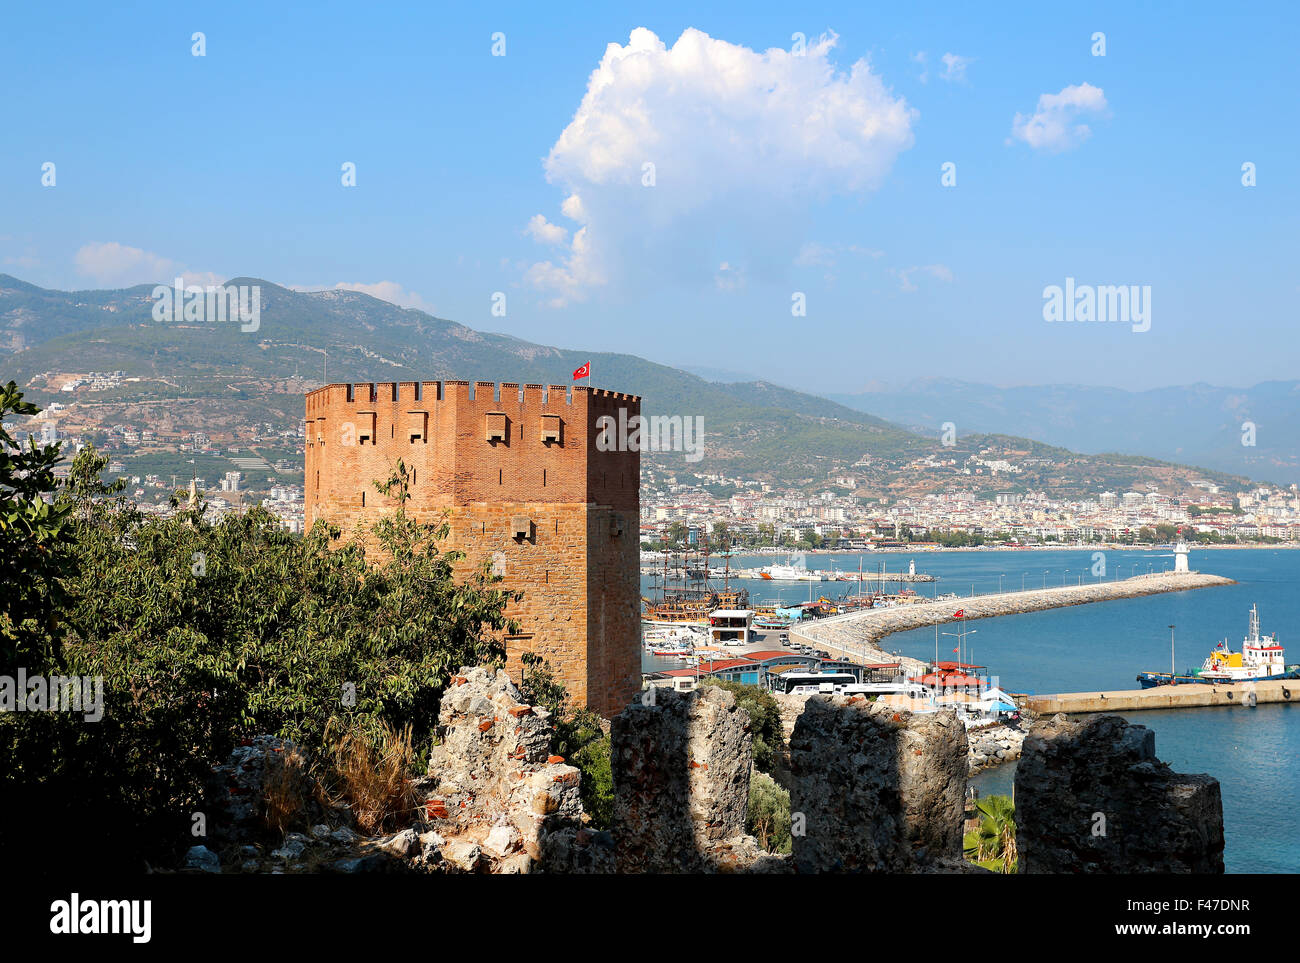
x=1180 y=557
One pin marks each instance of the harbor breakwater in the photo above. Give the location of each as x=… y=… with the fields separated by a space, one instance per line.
x=855 y=635
x=1193 y=696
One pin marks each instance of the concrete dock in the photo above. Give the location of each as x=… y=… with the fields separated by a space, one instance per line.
x=854 y=636
x=1190 y=696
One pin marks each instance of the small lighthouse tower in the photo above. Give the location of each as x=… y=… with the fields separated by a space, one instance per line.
x=1180 y=557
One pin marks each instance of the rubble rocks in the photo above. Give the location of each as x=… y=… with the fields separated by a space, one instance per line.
x=405 y=843
x=295 y=844
x=238 y=788
x=463 y=854
x=494 y=788
x=1091 y=797
x=993 y=745
x=502 y=840
x=876 y=790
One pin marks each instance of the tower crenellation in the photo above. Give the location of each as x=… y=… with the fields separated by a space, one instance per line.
x=516 y=472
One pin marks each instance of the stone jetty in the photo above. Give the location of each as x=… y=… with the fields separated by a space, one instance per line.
x=854 y=636
x=1201 y=695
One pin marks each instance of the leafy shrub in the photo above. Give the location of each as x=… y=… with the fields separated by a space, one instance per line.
x=768 y=816
x=205 y=633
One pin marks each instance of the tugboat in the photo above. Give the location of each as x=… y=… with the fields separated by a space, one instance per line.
x=1260 y=659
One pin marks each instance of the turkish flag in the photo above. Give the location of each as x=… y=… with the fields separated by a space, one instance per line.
x=955 y=651
x=960 y=613
x=583 y=372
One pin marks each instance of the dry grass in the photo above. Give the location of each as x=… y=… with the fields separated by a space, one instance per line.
x=284 y=789
x=372 y=776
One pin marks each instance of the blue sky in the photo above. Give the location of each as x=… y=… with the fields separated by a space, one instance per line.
x=773 y=175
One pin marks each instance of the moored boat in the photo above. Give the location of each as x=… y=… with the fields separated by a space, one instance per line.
x=1261 y=658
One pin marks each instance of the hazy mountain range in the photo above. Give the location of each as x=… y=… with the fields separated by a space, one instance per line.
x=198 y=373
x=305 y=338
x=1197 y=424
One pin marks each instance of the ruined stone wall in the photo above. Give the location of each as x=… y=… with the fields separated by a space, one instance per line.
x=485 y=461
x=872 y=791
x=1091 y=797
x=681 y=767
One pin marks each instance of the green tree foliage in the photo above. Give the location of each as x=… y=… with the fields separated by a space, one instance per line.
x=721 y=536
x=768 y=816
x=35 y=545
x=205 y=633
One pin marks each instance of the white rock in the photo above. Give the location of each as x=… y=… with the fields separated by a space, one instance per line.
x=463 y=854
x=502 y=840
x=405 y=843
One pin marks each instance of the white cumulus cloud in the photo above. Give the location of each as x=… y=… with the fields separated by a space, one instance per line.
x=940 y=272
x=954 y=67
x=543 y=231
x=108 y=262
x=677 y=154
x=1052 y=127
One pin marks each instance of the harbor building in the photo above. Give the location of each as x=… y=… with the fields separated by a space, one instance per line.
x=518 y=476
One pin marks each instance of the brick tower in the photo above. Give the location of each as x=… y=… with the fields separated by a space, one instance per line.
x=527 y=489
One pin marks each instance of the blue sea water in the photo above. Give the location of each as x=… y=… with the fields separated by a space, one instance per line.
x=1254 y=753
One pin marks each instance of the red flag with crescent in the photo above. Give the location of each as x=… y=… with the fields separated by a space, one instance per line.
x=583 y=372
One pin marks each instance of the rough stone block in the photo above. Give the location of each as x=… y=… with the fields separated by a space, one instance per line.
x=875 y=790
x=1091 y=797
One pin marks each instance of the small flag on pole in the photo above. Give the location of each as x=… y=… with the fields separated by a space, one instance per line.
x=955 y=651
x=583 y=372
x=960 y=613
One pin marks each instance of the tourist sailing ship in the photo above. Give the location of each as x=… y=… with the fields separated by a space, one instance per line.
x=687 y=604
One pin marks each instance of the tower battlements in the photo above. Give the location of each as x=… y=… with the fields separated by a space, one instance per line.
x=517 y=473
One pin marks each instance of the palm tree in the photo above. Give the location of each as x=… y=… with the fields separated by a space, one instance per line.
x=993 y=844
